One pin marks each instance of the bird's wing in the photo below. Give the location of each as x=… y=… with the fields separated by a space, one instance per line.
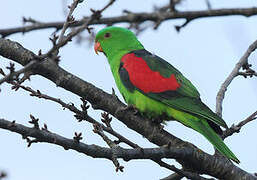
x=151 y=75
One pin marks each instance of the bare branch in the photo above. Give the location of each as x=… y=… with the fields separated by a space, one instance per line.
x=136 y=18
x=248 y=73
x=208 y=4
x=84 y=115
x=80 y=115
x=184 y=173
x=241 y=63
x=77 y=137
x=30 y=20
x=236 y=128
x=173 y=176
x=107 y=5
x=3 y=175
x=17 y=73
x=194 y=162
x=98 y=130
x=69 y=19
x=93 y=150
x=34 y=121
x=109 y=103
x=56 y=46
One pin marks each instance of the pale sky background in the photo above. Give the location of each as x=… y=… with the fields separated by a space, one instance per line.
x=205 y=51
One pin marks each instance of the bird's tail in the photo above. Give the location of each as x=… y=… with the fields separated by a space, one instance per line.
x=203 y=127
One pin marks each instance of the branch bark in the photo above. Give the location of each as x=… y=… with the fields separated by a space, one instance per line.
x=156 y=16
x=195 y=159
x=236 y=128
x=242 y=62
x=94 y=151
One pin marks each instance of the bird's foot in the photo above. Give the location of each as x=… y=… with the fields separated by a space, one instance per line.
x=130 y=107
x=157 y=120
x=160 y=119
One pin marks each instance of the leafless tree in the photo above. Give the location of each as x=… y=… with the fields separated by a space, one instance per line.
x=194 y=163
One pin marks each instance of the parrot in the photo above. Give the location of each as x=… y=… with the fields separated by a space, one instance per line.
x=156 y=88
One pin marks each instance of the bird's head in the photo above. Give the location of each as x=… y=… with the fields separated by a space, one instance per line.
x=112 y=40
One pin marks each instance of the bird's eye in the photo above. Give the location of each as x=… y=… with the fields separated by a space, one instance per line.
x=107 y=35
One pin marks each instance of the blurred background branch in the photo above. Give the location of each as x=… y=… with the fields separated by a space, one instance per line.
x=158 y=16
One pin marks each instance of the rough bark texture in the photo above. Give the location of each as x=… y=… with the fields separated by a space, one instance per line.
x=189 y=155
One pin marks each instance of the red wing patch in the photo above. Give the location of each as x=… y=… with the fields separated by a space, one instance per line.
x=142 y=77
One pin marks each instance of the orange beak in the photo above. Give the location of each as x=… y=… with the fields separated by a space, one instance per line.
x=98 y=47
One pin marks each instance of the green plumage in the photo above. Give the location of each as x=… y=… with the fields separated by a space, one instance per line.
x=182 y=104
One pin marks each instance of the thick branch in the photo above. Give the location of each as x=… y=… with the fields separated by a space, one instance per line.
x=94 y=151
x=197 y=160
x=136 y=17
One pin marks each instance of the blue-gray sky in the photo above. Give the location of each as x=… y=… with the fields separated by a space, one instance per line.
x=205 y=51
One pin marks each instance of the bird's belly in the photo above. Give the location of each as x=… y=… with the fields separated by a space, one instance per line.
x=157 y=110
x=149 y=107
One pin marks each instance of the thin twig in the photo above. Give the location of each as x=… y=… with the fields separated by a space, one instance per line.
x=17 y=73
x=190 y=175
x=95 y=15
x=243 y=61
x=236 y=128
x=107 y=5
x=98 y=130
x=78 y=112
x=69 y=19
x=30 y=20
x=136 y=18
x=246 y=74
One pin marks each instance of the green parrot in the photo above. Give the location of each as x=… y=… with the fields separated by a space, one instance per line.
x=156 y=88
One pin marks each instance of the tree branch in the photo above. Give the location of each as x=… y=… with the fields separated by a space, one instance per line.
x=195 y=159
x=173 y=176
x=82 y=115
x=79 y=114
x=136 y=18
x=243 y=62
x=181 y=172
x=3 y=175
x=96 y=14
x=236 y=128
x=94 y=151
x=69 y=19
x=11 y=75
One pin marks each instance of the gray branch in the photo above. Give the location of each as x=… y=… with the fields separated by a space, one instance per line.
x=192 y=157
x=243 y=61
x=17 y=73
x=94 y=151
x=156 y=16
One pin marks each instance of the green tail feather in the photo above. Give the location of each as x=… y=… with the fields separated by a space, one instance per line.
x=203 y=128
x=201 y=125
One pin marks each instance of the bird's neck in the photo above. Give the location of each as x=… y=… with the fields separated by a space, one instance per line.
x=114 y=60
